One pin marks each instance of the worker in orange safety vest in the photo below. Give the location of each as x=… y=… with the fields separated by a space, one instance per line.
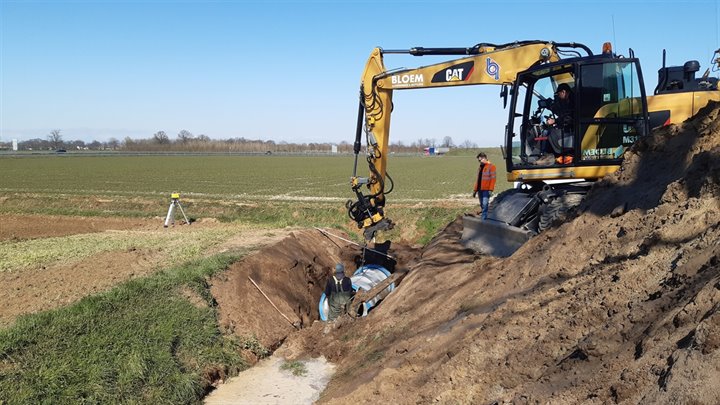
x=484 y=182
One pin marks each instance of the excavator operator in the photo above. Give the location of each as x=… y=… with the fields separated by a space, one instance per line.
x=560 y=134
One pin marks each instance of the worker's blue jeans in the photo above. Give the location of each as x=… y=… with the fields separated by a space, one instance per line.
x=484 y=197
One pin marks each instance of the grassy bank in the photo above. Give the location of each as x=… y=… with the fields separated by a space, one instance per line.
x=142 y=342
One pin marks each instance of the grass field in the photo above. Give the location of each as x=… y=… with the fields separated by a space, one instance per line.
x=269 y=190
x=253 y=177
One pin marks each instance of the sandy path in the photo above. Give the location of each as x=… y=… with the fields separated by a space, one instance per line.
x=267 y=383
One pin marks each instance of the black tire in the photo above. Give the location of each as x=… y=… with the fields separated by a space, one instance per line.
x=558 y=209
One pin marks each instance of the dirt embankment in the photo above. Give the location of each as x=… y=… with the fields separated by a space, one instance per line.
x=618 y=305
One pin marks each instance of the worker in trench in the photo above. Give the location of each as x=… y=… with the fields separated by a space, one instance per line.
x=339 y=293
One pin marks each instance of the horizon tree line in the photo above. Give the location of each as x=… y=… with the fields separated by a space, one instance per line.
x=187 y=142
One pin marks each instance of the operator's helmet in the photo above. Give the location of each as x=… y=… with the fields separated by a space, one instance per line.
x=340 y=269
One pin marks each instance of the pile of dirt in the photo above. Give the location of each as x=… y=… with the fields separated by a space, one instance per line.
x=620 y=304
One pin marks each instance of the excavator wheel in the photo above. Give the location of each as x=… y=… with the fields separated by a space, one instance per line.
x=558 y=209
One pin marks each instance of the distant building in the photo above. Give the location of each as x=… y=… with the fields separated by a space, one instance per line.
x=436 y=151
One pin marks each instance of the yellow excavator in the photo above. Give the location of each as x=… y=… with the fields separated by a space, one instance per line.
x=552 y=159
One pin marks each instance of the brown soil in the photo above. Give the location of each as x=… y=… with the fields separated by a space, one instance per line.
x=618 y=305
x=21 y=227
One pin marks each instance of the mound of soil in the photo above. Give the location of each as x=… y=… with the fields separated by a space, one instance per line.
x=620 y=304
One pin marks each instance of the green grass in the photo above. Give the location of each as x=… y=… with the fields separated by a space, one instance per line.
x=298 y=368
x=175 y=247
x=141 y=342
x=252 y=344
x=232 y=177
x=273 y=191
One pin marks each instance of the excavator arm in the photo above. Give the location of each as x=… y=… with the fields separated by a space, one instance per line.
x=480 y=64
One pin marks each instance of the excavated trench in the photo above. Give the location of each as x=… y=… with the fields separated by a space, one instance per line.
x=275 y=292
x=279 y=291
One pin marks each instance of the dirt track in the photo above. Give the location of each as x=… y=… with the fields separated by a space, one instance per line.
x=618 y=305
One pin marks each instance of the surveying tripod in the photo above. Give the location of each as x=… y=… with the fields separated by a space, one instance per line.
x=174 y=202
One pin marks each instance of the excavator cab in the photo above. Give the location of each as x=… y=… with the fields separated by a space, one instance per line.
x=605 y=114
x=570 y=123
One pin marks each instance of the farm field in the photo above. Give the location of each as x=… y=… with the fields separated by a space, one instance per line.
x=78 y=228
x=274 y=191
x=418 y=178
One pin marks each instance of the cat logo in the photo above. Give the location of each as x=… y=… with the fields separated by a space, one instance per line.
x=456 y=73
x=453 y=75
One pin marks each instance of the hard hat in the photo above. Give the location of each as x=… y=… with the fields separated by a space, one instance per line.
x=339 y=268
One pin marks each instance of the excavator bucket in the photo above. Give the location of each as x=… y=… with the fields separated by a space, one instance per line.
x=491 y=237
x=498 y=235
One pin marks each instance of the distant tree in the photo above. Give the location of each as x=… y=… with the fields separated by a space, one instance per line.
x=467 y=144
x=55 y=138
x=33 y=144
x=94 y=145
x=447 y=142
x=203 y=138
x=77 y=144
x=113 y=143
x=184 y=136
x=161 y=138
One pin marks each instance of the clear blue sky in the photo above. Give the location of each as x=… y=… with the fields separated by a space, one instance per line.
x=290 y=70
